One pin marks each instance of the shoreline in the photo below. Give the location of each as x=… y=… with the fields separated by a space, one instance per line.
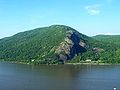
x=87 y=63
x=90 y=64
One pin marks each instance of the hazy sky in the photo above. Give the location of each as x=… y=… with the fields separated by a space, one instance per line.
x=89 y=17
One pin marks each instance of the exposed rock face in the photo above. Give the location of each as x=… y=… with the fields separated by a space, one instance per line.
x=46 y=45
x=71 y=46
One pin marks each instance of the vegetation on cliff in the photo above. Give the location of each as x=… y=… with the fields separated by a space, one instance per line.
x=58 y=44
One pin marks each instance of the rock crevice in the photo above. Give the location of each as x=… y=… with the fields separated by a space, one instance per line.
x=71 y=46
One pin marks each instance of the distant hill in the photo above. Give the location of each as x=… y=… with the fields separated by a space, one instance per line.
x=56 y=44
x=108 y=38
x=111 y=46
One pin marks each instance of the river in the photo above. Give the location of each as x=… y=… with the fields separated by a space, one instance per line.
x=62 y=77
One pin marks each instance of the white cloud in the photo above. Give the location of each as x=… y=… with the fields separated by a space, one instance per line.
x=93 y=9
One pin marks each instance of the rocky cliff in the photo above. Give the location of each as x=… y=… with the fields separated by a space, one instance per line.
x=71 y=46
x=46 y=44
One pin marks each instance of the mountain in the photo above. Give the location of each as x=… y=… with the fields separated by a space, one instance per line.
x=57 y=44
x=44 y=45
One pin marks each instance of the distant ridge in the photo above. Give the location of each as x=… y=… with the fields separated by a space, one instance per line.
x=108 y=38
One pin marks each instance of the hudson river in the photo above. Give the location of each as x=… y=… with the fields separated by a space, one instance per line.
x=61 y=77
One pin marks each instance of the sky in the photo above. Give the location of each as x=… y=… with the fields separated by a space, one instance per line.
x=90 y=17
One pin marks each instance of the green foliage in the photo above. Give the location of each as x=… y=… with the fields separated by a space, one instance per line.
x=108 y=50
x=111 y=46
x=109 y=39
x=38 y=44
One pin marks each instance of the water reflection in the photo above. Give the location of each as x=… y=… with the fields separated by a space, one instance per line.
x=62 y=77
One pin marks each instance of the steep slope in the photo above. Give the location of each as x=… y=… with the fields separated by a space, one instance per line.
x=47 y=44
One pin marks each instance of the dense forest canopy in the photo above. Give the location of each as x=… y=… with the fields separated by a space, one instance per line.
x=56 y=43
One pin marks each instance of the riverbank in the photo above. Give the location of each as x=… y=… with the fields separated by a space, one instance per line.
x=16 y=62
x=90 y=64
x=66 y=63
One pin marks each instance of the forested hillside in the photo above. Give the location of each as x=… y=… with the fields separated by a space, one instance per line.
x=111 y=46
x=44 y=45
x=33 y=44
x=59 y=43
x=108 y=38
